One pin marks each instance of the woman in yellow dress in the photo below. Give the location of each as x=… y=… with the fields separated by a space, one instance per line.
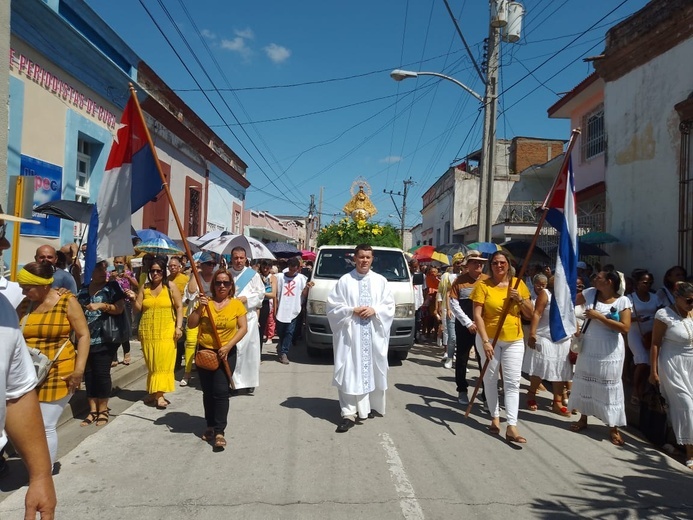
x=230 y=321
x=161 y=325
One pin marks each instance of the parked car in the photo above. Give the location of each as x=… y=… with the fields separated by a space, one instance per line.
x=330 y=265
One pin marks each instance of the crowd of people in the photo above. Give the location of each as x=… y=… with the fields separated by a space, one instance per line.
x=221 y=315
x=627 y=333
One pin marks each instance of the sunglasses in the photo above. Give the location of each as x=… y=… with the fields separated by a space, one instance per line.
x=499 y=263
x=580 y=286
x=224 y=283
x=209 y=263
x=155 y=271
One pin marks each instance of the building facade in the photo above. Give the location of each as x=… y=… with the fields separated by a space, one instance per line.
x=647 y=116
x=69 y=81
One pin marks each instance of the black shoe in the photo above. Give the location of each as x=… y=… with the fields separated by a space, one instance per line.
x=345 y=426
x=250 y=391
x=4 y=467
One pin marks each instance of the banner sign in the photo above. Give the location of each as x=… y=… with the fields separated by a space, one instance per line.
x=48 y=186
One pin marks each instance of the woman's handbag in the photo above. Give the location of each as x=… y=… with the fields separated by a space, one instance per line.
x=653 y=416
x=576 y=342
x=207 y=358
x=43 y=363
x=114 y=328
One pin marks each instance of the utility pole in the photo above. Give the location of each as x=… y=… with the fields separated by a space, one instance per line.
x=402 y=214
x=488 y=146
x=320 y=209
x=309 y=221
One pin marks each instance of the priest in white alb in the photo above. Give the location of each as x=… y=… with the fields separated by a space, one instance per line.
x=360 y=310
x=251 y=291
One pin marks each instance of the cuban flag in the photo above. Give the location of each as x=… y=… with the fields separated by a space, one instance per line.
x=562 y=215
x=131 y=179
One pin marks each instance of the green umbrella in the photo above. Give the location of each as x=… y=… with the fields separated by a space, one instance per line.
x=597 y=237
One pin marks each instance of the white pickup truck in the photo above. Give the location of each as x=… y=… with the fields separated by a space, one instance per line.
x=334 y=261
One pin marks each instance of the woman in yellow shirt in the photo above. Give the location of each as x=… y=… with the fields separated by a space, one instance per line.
x=229 y=318
x=489 y=297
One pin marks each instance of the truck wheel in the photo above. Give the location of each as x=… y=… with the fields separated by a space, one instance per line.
x=401 y=354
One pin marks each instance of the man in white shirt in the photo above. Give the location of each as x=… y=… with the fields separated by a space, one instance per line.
x=292 y=288
x=250 y=291
x=360 y=310
x=20 y=415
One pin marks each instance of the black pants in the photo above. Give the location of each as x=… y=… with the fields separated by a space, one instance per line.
x=215 y=394
x=262 y=320
x=97 y=372
x=465 y=343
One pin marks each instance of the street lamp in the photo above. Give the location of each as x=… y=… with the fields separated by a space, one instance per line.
x=488 y=147
x=399 y=75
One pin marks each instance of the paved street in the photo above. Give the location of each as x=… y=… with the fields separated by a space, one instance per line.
x=284 y=459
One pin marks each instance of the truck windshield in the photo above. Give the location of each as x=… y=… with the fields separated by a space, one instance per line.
x=333 y=263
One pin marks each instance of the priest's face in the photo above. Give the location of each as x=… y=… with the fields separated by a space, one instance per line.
x=363 y=260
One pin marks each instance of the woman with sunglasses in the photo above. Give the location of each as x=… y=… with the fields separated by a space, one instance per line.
x=161 y=325
x=671 y=357
x=490 y=296
x=229 y=318
x=597 y=386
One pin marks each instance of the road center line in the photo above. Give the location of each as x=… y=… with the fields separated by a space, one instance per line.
x=411 y=509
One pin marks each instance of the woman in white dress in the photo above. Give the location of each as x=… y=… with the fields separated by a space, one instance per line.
x=597 y=387
x=671 y=357
x=645 y=305
x=548 y=360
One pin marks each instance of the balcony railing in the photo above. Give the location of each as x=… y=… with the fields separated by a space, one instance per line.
x=517 y=212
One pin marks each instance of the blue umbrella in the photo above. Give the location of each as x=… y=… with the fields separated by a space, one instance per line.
x=156 y=242
x=152 y=234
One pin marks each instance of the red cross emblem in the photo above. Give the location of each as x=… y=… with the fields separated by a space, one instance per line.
x=289 y=288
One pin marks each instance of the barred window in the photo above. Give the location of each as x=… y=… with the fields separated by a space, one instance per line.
x=593 y=137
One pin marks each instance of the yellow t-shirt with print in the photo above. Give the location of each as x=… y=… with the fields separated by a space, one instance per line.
x=493 y=299
x=225 y=320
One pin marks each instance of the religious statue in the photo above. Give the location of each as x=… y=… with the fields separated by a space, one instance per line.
x=360 y=208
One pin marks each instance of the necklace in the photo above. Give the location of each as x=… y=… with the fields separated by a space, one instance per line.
x=686 y=324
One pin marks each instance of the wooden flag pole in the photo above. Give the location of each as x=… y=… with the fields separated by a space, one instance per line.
x=172 y=204
x=520 y=275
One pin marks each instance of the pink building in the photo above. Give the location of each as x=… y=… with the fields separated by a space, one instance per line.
x=270 y=228
x=584 y=106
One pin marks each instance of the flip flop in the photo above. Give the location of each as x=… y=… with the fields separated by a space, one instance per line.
x=616 y=439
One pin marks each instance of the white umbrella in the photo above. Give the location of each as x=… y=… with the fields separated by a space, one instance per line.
x=225 y=243
x=210 y=235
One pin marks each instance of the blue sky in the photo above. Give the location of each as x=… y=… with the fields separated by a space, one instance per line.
x=309 y=83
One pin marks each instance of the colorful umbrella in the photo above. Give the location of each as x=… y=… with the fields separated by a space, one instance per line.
x=429 y=254
x=451 y=249
x=157 y=243
x=308 y=255
x=486 y=248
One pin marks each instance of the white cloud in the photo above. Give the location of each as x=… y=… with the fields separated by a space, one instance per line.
x=206 y=33
x=277 y=53
x=237 y=45
x=246 y=34
x=391 y=159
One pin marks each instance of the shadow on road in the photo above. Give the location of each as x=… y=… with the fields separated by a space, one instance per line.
x=316 y=407
x=656 y=491
x=181 y=422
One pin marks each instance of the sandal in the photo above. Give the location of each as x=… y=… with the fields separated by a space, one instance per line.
x=559 y=409
x=90 y=418
x=102 y=418
x=162 y=404
x=493 y=429
x=515 y=438
x=219 y=442
x=689 y=463
x=578 y=426
x=616 y=438
x=532 y=403
x=126 y=359
x=208 y=435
